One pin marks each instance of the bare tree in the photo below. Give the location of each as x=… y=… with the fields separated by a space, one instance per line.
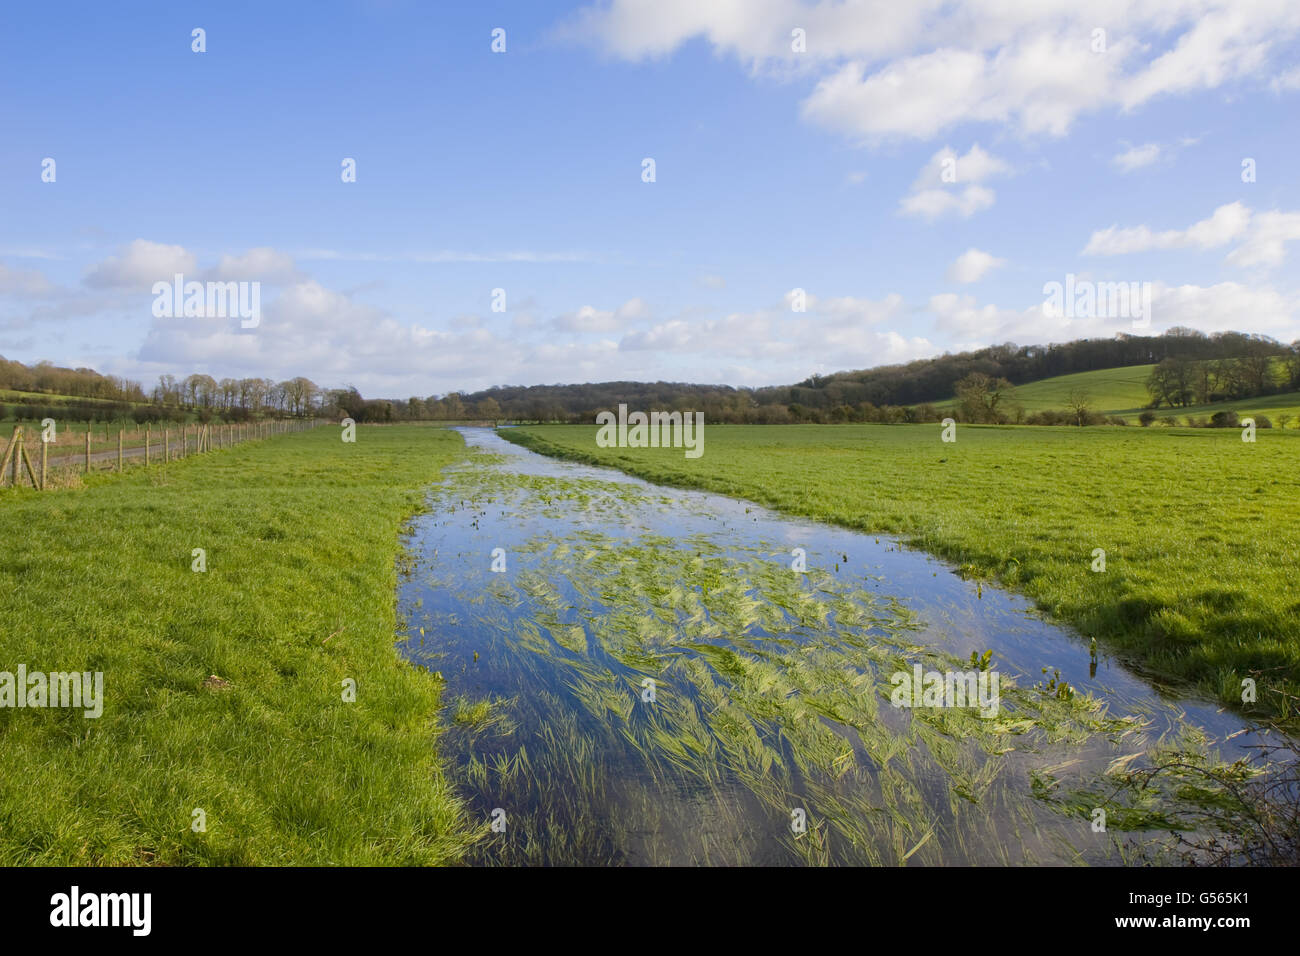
x=1079 y=402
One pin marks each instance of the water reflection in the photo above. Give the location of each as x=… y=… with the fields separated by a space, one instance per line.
x=648 y=682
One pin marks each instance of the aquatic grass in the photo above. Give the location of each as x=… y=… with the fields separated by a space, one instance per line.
x=1204 y=599
x=769 y=697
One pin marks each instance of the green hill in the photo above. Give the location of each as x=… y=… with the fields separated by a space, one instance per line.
x=1122 y=391
x=1112 y=389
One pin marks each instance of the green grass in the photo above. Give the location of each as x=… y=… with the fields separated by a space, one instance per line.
x=302 y=538
x=1112 y=389
x=53 y=398
x=1122 y=391
x=1268 y=405
x=1200 y=530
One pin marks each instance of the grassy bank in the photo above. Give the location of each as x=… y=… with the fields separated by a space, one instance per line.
x=1200 y=531
x=301 y=533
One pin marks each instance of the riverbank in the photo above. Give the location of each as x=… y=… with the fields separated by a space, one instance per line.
x=226 y=736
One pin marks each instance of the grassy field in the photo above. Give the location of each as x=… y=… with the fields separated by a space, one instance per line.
x=1270 y=406
x=1201 y=534
x=1112 y=389
x=1122 y=391
x=301 y=534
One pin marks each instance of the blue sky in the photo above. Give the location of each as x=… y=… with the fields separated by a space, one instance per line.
x=775 y=170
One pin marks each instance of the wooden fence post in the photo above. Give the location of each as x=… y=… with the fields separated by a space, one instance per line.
x=17 y=450
x=87 y=449
x=119 y=449
x=147 y=430
x=27 y=460
x=4 y=462
x=45 y=448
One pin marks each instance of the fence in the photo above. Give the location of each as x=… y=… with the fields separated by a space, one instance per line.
x=190 y=440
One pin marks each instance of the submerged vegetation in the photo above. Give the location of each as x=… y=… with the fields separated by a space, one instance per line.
x=1200 y=537
x=655 y=686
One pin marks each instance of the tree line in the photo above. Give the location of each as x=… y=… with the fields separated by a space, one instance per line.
x=1191 y=368
x=1179 y=381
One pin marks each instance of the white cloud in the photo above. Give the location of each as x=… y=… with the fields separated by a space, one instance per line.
x=936 y=203
x=1226 y=306
x=972 y=265
x=913 y=69
x=961 y=317
x=1284 y=82
x=841 y=325
x=590 y=319
x=142 y=264
x=1148 y=154
x=1265 y=244
x=946 y=167
x=1227 y=223
x=1261 y=237
x=1214 y=308
x=1137 y=157
x=950 y=184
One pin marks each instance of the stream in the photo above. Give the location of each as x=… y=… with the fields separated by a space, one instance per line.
x=637 y=675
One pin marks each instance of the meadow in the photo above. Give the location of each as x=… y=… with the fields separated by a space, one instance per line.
x=1199 y=529
x=224 y=688
x=1123 y=392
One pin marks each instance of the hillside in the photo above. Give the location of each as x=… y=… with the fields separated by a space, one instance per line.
x=1123 y=392
x=1113 y=390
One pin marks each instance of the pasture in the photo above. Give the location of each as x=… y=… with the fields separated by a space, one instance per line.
x=224 y=687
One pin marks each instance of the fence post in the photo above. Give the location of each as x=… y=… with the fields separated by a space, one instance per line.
x=119 y=449
x=87 y=449
x=4 y=462
x=27 y=461
x=147 y=430
x=45 y=450
x=166 y=447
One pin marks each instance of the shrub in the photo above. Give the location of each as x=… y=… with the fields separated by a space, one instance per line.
x=1050 y=416
x=1146 y=418
x=1226 y=419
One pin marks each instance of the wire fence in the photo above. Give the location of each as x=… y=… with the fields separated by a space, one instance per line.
x=28 y=458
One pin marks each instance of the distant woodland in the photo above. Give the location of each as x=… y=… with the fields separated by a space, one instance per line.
x=1191 y=368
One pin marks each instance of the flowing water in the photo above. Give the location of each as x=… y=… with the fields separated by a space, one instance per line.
x=636 y=675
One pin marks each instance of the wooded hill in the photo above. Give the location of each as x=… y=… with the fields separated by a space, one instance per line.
x=1192 y=366
x=907 y=390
